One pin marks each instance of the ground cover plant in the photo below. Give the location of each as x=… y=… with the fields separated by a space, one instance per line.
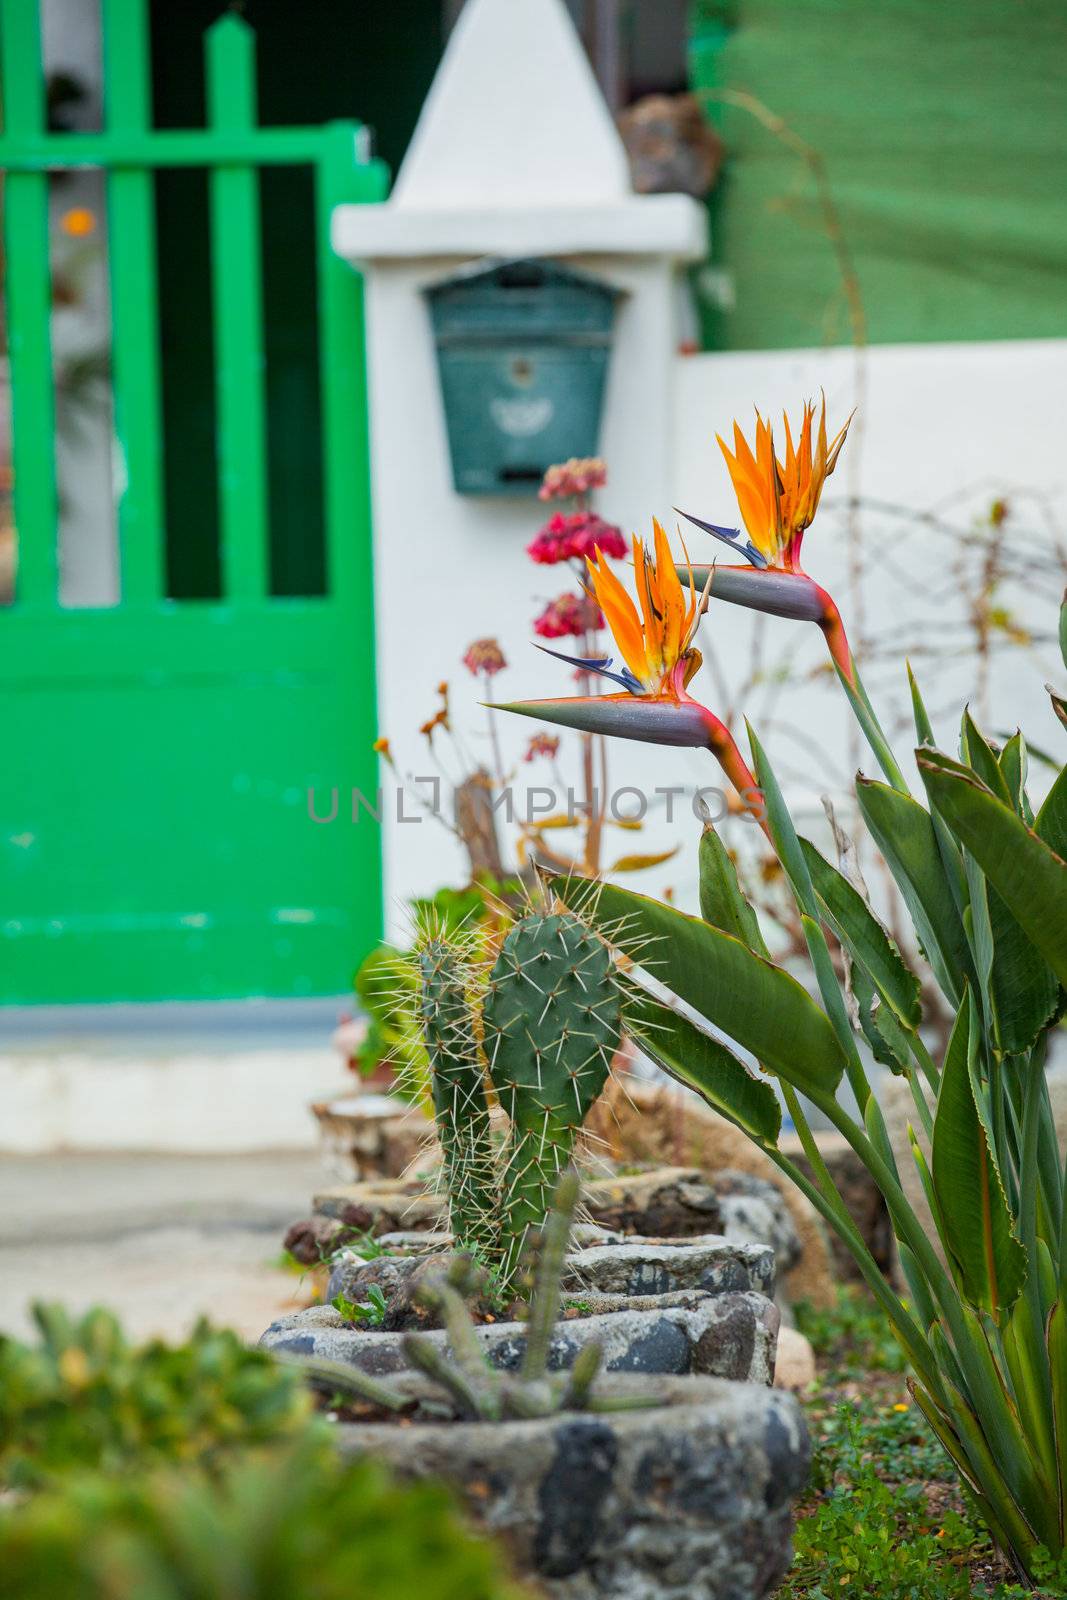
x=190 y=1471
x=982 y=870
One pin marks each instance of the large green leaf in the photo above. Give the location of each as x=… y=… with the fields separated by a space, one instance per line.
x=1019 y=988
x=858 y=929
x=1051 y=824
x=978 y=1233
x=904 y=833
x=1023 y=989
x=721 y=900
x=755 y=1003
x=1031 y=878
x=704 y=1064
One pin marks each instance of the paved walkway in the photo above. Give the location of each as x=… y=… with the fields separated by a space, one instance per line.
x=160 y=1239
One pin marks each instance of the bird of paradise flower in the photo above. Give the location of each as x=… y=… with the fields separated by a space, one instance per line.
x=657 y=660
x=778 y=500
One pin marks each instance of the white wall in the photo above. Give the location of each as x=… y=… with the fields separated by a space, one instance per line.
x=941 y=427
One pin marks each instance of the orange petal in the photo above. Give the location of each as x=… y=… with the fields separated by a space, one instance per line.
x=621 y=616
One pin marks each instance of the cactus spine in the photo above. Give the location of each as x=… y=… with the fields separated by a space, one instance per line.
x=550 y=1024
x=457 y=1084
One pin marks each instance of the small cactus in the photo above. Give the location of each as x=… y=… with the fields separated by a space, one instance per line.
x=549 y=1025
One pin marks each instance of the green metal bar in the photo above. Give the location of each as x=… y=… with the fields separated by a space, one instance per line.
x=29 y=309
x=166 y=147
x=342 y=175
x=238 y=310
x=134 y=309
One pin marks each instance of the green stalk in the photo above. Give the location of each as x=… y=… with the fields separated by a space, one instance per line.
x=872 y=729
x=832 y=1209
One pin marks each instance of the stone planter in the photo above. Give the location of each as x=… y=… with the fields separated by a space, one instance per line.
x=689 y=1500
x=699 y=1306
x=722 y=1336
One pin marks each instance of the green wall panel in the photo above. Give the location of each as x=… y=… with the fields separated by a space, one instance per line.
x=943 y=129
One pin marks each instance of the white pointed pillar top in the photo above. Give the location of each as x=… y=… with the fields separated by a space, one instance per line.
x=516 y=153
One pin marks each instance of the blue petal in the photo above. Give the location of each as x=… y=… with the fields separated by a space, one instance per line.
x=728 y=536
x=601 y=665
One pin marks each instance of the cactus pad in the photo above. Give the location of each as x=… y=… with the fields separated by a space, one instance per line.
x=457 y=1084
x=551 y=1028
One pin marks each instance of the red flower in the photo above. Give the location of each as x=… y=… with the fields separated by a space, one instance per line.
x=575 y=536
x=595 y=534
x=570 y=614
x=484 y=656
x=542 y=744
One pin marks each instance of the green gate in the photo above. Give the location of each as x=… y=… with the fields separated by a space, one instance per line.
x=156 y=836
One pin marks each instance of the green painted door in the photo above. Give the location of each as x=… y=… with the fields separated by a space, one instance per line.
x=156 y=835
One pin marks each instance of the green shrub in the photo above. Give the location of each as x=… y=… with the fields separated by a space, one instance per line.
x=854 y=1335
x=84 y=1397
x=290 y=1523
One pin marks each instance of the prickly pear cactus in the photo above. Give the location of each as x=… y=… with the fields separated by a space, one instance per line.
x=551 y=1027
x=457 y=1083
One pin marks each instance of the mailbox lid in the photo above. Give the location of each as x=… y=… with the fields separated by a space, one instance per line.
x=529 y=297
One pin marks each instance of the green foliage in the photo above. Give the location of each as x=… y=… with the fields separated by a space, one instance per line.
x=980 y=870
x=853 y=1336
x=870 y=1533
x=369 y=1313
x=293 y=1522
x=543 y=1027
x=83 y=1397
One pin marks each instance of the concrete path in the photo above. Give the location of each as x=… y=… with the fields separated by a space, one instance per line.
x=160 y=1239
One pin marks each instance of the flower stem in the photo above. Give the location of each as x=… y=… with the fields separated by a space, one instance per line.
x=872 y=729
x=723 y=747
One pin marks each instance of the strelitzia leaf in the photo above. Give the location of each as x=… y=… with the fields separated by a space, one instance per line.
x=721 y=900
x=923 y=730
x=904 y=833
x=1051 y=822
x=758 y=1005
x=702 y=1063
x=1030 y=878
x=859 y=930
x=978 y=1232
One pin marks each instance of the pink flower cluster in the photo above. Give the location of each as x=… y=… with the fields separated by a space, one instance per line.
x=573 y=477
x=484 y=656
x=570 y=614
x=575 y=535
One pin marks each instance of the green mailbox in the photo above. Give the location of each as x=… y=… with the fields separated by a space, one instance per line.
x=522 y=349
